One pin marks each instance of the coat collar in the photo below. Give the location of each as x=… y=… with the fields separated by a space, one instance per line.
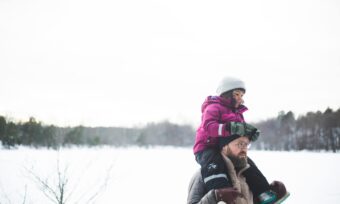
x=224 y=102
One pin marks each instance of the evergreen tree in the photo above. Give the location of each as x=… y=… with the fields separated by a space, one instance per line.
x=12 y=134
x=49 y=137
x=329 y=126
x=32 y=133
x=75 y=136
x=2 y=128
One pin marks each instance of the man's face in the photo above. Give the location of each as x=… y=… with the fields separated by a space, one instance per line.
x=237 y=151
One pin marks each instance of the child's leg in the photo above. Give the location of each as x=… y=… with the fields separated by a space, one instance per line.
x=213 y=169
x=258 y=184
x=256 y=181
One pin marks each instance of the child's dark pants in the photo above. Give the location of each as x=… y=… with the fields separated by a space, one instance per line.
x=214 y=173
x=213 y=169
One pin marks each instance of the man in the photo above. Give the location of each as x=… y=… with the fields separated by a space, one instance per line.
x=234 y=154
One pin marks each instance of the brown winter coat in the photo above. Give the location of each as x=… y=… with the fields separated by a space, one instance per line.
x=198 y=194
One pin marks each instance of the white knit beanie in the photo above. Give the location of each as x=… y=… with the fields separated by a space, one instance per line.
x=228 y=84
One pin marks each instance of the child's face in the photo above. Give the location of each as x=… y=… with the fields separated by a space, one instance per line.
x=237 y=95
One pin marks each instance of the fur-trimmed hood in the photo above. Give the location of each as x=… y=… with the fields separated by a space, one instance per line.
x=239 y=182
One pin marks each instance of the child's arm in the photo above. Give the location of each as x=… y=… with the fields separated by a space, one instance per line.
x=213 y=125
x=211 y=122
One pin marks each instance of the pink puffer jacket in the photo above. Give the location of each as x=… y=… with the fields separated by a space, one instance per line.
x=216 y=112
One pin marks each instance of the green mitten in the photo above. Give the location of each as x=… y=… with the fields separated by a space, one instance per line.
x=252 y=132
x=237 y=128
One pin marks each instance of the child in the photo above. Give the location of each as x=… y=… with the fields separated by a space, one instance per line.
x=222 y=119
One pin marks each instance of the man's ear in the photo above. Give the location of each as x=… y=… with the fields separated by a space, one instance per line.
x=225 y=149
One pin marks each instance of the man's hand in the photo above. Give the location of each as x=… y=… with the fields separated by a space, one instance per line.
x=227 y=195
x=279 y=188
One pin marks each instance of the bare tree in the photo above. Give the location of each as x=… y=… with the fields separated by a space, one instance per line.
x=55 y=194
x=60 y=192
x=5 y=196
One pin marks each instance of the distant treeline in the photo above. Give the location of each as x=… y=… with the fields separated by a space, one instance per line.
x=313 y=131
x=35 y=134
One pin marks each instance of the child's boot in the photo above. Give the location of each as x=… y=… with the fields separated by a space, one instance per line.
x=267 y=197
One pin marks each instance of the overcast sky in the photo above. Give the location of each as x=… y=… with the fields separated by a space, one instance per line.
x=127 y=63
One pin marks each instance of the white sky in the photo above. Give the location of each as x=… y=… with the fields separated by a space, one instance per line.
x=126 y=63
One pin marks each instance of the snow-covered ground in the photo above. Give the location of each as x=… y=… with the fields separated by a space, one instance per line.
x=150 y=175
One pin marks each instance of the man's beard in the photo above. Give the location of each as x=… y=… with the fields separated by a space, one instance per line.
x=239 y=161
